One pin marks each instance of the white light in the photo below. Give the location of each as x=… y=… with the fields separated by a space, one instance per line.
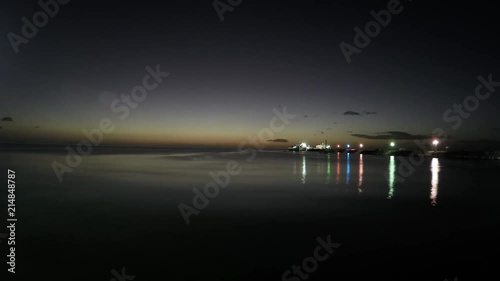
x=361 y=145
x=393 y=144
x=435 y=142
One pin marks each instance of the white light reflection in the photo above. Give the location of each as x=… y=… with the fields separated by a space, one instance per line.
x=392 y=171
x=304 y=172
x=434 y=180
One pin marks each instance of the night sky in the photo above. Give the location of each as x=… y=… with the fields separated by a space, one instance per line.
x=227 y=77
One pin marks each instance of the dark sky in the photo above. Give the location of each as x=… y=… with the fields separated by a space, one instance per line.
x=227 y=77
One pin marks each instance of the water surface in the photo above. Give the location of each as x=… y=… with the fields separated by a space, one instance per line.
x=122 y=209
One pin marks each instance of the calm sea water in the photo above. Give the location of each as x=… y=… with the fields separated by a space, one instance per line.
x=121 y=209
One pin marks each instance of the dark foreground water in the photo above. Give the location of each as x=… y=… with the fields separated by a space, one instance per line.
x=121 y=210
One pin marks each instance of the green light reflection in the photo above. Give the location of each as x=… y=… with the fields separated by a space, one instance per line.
x=392 y=172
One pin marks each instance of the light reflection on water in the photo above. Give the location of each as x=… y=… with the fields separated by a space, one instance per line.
x=328 y=169
x=304 y=169
x=324 y=170
x=434 y=181
x=269 y=171
x=348 y=168
x=392 y=171
x=338 y=168
x=360 y=173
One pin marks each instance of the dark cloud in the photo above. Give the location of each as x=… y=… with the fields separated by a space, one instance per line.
x=349 y=132
x=370 y=112
x=392 y=135
x=328 y=129
x=322 y=132
x=7 y=119
x=496 y=129
x=36 y=127
x=311 y=116
x=351 y=113
x=278 y=140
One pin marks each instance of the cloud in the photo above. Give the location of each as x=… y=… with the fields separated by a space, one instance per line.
x=351 y=113
x=36 y=127
x=355 y=113
x=278 y=140
x=328 y=129
x=7 y=119
x=349 y=132
x=311 y=116
x=392 y=135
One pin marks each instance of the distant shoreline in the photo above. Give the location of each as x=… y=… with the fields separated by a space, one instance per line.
x=115 y=149
x=457 y=154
